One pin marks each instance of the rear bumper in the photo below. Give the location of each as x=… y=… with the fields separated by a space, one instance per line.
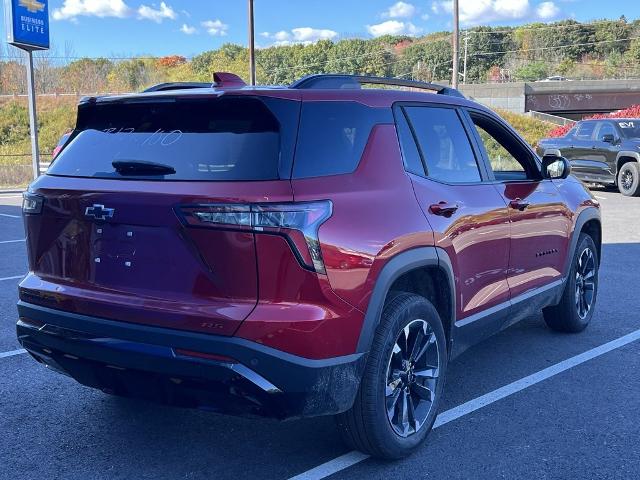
x=238 y=377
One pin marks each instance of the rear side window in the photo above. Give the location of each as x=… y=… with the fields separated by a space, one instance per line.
x=333 y=135
x=227 y=138
x=444 y=144
x=585 y=130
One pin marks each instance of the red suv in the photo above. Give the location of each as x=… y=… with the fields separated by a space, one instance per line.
x=321 y=249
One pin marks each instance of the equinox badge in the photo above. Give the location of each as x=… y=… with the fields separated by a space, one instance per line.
x=99 y=212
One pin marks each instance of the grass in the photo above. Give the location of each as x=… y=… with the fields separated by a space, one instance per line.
x=55 y=116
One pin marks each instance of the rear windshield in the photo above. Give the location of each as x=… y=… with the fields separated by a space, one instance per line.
x=227 y=138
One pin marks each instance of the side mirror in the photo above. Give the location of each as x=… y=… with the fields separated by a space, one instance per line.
x=609 y=138
x=555 y=167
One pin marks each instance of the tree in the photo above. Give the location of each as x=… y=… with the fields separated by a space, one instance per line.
x=171 y=61
x=486 y=48
x=228 y=58
x=532 y=71
x=567 y=39
x=277 y=65
x=87 y=75
x=13 y=77
x=362 y=57
x=134 y=75
x=427 y=60
x=613 y=36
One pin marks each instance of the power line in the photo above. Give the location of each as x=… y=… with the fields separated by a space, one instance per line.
x=556 y=47
x=547 y=27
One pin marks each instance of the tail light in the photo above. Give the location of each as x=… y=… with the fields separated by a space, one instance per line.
x=297 y=222
x=32 y=203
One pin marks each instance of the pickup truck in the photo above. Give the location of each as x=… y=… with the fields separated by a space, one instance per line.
x=603 y=151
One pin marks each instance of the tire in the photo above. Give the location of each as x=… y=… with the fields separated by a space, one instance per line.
x=629 y=179
x=367 y=426
x=575 y=309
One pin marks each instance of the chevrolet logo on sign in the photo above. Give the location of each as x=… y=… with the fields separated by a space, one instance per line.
x=34 y=6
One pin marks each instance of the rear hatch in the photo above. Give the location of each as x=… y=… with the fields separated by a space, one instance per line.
x=109 y=234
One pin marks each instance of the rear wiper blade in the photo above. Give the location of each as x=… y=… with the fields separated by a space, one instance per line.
x=138 y=167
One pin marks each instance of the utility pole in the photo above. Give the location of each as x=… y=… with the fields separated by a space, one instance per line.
x=456 y=44
x=466 y=51
x=252 y=47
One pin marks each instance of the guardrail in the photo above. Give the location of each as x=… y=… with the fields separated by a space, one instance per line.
x=18 y=175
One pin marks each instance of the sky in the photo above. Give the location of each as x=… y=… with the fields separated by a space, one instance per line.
x=187 y=27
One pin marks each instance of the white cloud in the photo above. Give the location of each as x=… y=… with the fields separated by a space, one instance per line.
x=311 y=35
x=400 y=10
x=91 y=8
x=393 y=27
x=478 y=12
x=188 y=29
x=547 y=10
x=215 y=27
x=304 y=35
x=157 y=14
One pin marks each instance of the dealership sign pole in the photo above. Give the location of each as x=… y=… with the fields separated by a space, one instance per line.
x=27 y=25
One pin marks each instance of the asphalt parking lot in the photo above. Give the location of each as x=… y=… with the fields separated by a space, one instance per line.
x=535 y=404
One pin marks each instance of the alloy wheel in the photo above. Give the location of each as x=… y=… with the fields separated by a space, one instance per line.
x=627 y=180
x=585 y=282
x=412 y=378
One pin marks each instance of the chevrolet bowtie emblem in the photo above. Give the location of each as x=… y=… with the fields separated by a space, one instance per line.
x=99 y=212
x=34 y=6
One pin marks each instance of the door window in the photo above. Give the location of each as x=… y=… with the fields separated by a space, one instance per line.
x=443 y=144
x=585 y=130
x=606 y=129
x=508 y=157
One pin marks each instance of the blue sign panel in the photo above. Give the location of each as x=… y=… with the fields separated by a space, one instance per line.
x=27 y=23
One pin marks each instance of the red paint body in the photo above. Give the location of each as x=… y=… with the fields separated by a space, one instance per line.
x=250 y=285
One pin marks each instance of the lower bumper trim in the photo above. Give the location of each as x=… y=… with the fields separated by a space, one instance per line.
x=141 y=362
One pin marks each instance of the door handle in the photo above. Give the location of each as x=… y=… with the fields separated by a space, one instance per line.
x=518 y=204
x=443 y=209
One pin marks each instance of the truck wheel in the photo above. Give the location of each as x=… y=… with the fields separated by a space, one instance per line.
x=629 y=179
x=575 y=309
x=403 y=381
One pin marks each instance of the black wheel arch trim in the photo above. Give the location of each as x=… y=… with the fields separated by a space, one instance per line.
x=396 y=267
x=588 y=214
x=625 y=153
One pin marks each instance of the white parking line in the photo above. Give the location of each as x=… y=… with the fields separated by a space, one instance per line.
x=12 y=353
x=600 y=198
x=13 y=241
x=354 y=457
x=12 y=278
x=10 y=216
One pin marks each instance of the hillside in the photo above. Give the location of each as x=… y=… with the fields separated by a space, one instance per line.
x=600 y=49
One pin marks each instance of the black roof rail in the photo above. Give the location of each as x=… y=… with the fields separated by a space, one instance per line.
x=161 y=87
x=340 y=81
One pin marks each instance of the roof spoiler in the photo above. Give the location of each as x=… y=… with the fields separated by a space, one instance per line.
x=220 y=80
x=340 y=82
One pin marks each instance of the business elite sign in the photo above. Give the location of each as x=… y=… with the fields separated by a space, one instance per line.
x=27 y=23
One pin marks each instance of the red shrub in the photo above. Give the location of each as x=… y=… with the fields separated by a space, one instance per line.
x=631 y=112
x=560 y=131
